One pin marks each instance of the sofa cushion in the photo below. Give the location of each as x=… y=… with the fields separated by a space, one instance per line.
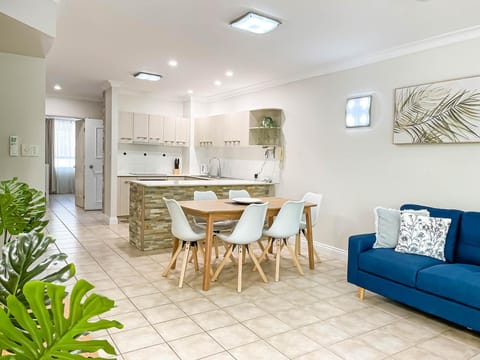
x=395 y=266
x=452 y=231
x=457 y=282
x=468 y=241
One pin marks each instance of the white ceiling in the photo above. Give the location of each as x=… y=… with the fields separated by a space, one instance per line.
x=99 y=40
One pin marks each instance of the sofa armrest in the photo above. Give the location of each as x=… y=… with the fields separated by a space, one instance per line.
x=356 y=245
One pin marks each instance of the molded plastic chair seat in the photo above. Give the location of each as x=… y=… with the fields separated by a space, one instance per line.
x=315 y=211
x=247 y=231
x=285 y=225
x=182 y=231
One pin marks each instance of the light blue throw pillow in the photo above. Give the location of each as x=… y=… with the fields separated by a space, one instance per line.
x=387 y=225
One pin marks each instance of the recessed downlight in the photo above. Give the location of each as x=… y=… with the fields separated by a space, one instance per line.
x=173 y=63
x=217 y=83
x=57 y=87
x=229 y=73
x=190 y=91
x=147 y=76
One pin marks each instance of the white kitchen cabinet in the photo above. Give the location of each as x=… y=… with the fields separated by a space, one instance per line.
x=140 y=128
x=125 y=127
x=155 y=129
x=235 y=130
x=123 y=197
x=208 y=131
x=182 y=130
x=169 y=130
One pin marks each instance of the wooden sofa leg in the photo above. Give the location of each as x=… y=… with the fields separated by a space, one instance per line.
x=361 y=293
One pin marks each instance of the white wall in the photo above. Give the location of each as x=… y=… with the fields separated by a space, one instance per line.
x=22 y=113
x=358 y=169
x=57 y=106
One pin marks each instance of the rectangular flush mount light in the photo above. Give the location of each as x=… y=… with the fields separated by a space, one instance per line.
x=147 y=76
x=255 y=23
x=357 y=112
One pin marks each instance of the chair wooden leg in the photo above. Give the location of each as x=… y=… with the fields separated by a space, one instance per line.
x=195 y=257
x=264 y=253
x=176 y=245
x=172 y=261
x=317 y=256
x=298 y=246
x=277 y=265
x=184 y=264
x=240 y=265
x=255 y=261
x=361 y=293
x=294 y=257
x=222 y=264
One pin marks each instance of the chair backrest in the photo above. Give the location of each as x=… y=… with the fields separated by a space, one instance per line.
x=181 y=229
x=232 y=194
x=250 y=226
x=287 y=221
x=204 y=195
x=317 y=200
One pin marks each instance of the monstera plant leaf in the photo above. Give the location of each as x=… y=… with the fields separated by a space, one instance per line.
x=22 y=209
x=25 y=259
x=49 y=334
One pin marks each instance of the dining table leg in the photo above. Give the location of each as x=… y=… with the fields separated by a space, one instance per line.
x=208 y=252
x=309 y=236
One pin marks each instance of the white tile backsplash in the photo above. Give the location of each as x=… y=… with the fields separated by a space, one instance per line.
x=147 y=158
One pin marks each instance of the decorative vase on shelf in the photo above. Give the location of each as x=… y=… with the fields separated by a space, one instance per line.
x=268 y=122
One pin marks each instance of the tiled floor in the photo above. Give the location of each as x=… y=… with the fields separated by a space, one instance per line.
x=317 y=316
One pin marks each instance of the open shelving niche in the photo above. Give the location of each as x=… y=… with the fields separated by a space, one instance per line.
x=266 y=136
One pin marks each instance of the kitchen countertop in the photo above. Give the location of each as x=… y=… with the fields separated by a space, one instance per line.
x=201 y=181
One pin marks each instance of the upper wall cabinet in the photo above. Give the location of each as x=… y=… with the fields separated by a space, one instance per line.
x=256 y=127
x=153 y=129
x=266 y=127
x=125 y=127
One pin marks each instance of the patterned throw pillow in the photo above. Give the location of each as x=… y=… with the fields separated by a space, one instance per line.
x=423 y=235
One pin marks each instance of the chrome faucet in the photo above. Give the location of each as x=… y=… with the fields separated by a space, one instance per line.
x=211 y=172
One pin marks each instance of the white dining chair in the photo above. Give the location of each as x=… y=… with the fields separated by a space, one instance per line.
x=285 y=225
x=315 y=212
x=247 y=231
x=182 y=231
x=232 y=194
x=217 y=225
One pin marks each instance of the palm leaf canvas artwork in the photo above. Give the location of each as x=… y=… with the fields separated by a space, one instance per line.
x=443 y=112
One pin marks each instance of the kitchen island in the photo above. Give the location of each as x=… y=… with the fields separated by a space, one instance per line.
x=149 y=221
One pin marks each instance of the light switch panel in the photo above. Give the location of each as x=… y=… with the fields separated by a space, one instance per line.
x=30 y=150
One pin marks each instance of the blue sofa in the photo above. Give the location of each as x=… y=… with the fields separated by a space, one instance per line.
x=450 y=289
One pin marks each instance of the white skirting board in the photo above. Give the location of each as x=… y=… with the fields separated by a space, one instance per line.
x=111 y=220
x=332 y=250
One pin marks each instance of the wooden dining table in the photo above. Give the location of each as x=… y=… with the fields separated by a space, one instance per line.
x=226 y=209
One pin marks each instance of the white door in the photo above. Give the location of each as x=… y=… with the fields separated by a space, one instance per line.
x=93 y=164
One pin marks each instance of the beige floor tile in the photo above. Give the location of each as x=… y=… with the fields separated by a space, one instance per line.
x=177 y=328
x=221 y=356
x=448 y=348
x=233 y=336
x=296 y=317
x=121 y=306
x=214 y=319
x=223 y=300
x=130 y=321
x=266 y=326
x=347 y=302
x=352 y=323
x=136 y=339
x=386 y=342
x=324 y=333
x=259 y=350
x=156 y=352
x=464 y=336
x=149 y=300
x=196 y=306
x=354 y=349
x=293 y=343
x=416 y=353
x=273 y=304
x=139 y=290
x=163 y=313
x=412 y=331
x=195 y=347
x=245 y=311
x=320 y=354
x=323 y=310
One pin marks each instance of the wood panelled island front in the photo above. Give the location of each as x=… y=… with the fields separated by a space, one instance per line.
x=149 y=221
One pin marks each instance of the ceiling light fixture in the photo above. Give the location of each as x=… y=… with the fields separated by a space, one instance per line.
x=255 y=23
x=57 y=87
x=147 y=76
x=217 y=83
x=229 y=73
x=190 y=92
x=173 y=63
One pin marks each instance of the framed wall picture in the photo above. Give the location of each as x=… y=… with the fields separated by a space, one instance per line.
x=438 y=113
